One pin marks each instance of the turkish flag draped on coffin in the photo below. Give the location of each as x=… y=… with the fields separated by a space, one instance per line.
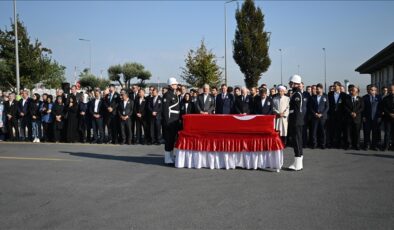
x=229 y=133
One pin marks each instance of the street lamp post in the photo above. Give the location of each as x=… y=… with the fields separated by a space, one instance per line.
x=90 y=52
x=325 y=70
x=281 y=67
x=225 y=41
x=18 y=84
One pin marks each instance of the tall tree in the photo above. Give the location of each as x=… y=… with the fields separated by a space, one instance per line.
x=201 y=67
x=251 y=43
x=35 y=62
x=126 y=72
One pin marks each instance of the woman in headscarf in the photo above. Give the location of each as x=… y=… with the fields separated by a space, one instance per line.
x=281 y=110
x=47 y=119
x=83 y=117
x=58 y=113
x=72 y=120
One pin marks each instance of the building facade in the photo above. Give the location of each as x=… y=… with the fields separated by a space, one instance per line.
x=380 y=67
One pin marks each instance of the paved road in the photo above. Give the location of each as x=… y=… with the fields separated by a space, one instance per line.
x=65 y=186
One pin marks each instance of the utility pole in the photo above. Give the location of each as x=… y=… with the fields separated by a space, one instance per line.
x=18 y=83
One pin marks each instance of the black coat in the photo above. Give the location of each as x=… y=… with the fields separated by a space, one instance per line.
x=155 y=107
x=35 y=110
x=58 y=110
x=11 y=109
x=336 y=110
x=224 y=105
x=25 y=109
x=100 y=109
x=207 y=106
x=322 y=107
x=188 y=110
x=243 y=106
x=296 y=112
x=265 y=109
x=170 y=99
x=367 y=113
x=141 y=107
x=126 y=111
x=113 y=103
x=72 y=122
x=388 y=107
x=356 y=107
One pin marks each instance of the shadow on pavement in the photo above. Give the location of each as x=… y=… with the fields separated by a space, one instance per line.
x=135 y=159
x=372 y=155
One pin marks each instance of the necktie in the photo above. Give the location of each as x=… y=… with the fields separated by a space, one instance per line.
x=374 y=105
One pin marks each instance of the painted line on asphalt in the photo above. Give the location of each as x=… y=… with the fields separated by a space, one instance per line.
x=34 y=158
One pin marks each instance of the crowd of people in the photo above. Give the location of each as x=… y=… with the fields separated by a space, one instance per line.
x=131 y=116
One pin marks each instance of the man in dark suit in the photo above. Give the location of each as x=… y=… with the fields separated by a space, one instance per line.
x=243 y=102
x=214 y=93
x=140 y=108
x=224 y=101
x=154 y=108
x=307 y=129
x=371 y=118
x=353 y=108
x=125 y=111
x=263 y=104
x=318 y=108
x=336 y=121
x=24 y=116
x=112 y=122
x=205 y=102
x=133 y=96
x=97 y=109
x=11 y=112
x=388 y=117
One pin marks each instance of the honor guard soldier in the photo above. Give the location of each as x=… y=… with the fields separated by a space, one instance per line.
x=296 y=121
x=170 y=115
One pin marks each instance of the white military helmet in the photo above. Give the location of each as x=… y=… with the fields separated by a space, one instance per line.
x=295 y=79
x=172 y=81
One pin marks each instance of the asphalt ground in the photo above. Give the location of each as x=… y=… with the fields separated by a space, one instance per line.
x=83 y=186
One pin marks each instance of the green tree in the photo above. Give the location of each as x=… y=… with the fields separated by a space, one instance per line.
x=35 y=63
x=126 y=72
x=89 y=81
x=53 y=74
x=201 y=68
x=251 y=43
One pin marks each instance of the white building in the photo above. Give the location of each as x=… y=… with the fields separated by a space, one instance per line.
x=380 y=67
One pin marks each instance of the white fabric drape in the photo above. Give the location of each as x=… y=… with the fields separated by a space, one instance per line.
x=228 y=160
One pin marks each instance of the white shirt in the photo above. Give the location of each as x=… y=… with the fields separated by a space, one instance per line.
x=96 y=103
x=154 y=100
x=263 y=102
x=205 y=97
x=23 y=102
x=186 y=105
x=125 y=103
x=141 y=99
x=336 y=96
x=318 y=99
